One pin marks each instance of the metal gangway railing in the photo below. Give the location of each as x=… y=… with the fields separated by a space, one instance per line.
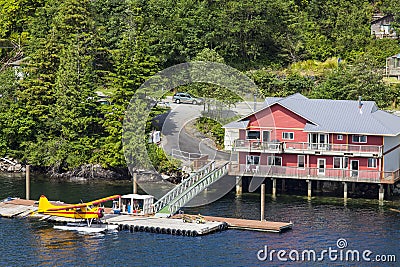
x=185 y=184
x=194 y=190
x=171 y=202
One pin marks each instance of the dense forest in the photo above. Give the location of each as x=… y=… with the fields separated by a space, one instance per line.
x=69 y=50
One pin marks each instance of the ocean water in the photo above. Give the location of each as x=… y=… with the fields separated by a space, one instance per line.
x=319 y=224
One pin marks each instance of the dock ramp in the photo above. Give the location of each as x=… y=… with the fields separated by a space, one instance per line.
x=175 y=199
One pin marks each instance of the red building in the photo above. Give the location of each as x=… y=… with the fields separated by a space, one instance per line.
x=317 y=139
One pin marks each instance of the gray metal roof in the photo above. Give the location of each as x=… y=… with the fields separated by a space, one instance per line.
x=236 y=125
x=340 y=116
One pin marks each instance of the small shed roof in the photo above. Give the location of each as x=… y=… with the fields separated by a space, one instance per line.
x=237 y=125
x=136 y=196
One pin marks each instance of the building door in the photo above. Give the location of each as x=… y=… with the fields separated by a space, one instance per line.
x=318 y=141
x=312 y=141
x=266 y=136
x=323 y=141
x=321 y=166
x=354 y=168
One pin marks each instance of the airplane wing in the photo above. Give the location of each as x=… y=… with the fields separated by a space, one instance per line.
x=81 y=205
x=67 y=207
x=98 y=201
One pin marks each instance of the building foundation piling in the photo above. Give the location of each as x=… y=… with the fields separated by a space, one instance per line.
x=381 y=194
x=318 y=186
x=283 y=185
x=239 y=189
x=309 y=188
x=273 y=187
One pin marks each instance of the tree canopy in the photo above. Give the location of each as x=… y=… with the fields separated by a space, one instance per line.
x=58 y=57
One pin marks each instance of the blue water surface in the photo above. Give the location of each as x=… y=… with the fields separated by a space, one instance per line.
x=318 y=224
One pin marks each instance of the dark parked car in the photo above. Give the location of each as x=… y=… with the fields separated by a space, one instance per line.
x=186 y=98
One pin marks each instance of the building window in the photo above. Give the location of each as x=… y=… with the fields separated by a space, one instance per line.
x=253 y=135
x=359 y=138
x=300 y=161
x=340 y=162
x=288 y=135
x=277 y=161
x=252 y=160
x=372 y=163
x=339 y=137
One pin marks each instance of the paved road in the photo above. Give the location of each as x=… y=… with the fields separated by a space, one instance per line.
x=175 y=137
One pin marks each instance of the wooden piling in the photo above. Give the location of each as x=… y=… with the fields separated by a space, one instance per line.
x=345 y=191
x=27 y=182
x=381 y=194
x=283 y=185
x=309 y=185
x=239 y=189
x=273 y=188
x=262 y=201
x=135 y=183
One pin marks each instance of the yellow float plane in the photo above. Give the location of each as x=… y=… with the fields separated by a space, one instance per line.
x=85 y=211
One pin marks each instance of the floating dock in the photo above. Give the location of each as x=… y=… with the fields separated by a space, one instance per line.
x=242 y=224
x=252 y=225
x=175 y=225
x=165 y=225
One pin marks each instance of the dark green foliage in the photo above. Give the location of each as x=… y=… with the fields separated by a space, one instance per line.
x=162 y=163
x=211 y=129
x=349 y=82
x=73 y=49
x=272 y=84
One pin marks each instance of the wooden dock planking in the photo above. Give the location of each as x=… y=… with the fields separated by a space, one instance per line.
x=11 y=210
x=243 y=224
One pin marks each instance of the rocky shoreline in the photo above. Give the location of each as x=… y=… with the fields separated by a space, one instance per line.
x=91 y=172
x=84 y=172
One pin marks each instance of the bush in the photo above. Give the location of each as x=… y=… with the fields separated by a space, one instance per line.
x=211 y=129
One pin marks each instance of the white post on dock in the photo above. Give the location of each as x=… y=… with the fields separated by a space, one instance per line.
x=273 y=188
x=345 y=191
x=134 y=183
x=381 y=194
x=309 y=186
x=27 y=182
x=262 y=201
x=239 y=189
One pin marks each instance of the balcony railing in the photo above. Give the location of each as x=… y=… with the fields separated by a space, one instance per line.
x=305 y=147
x=334 y=148
x=314 y=173
x=257 y=146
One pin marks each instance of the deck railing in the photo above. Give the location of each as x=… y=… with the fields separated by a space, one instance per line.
x=296 y=147
x=314 y=173
x=346 y=148
x=255 y=145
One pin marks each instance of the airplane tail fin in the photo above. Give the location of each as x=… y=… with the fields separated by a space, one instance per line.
x=44 y=204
